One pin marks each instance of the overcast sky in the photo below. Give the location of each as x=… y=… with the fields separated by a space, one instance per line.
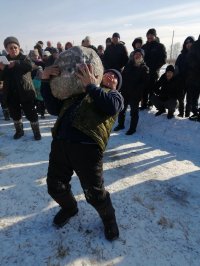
x=72 y=20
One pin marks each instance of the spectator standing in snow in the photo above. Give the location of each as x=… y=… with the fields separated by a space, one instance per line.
x=100 y=50
x=49 y=47
x=18 y=87
x=155 y=58
x=115 y=55
x=194 y=76
x=87 y=43
x=80 y=136
x=135 y=78
x=181 y=66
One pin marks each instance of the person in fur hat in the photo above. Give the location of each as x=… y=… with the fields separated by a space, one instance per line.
x=18 y=87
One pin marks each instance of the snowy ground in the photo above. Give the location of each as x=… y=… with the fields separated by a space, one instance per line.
x=154 y=180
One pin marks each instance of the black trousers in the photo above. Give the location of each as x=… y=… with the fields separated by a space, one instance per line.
x=160 y=104
x=148 y=91
x=86 y=161
x=40 y=107
x=195 y=94
x=15 y=109
x=134 y=113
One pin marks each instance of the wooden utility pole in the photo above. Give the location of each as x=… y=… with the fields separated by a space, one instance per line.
x=171 y=47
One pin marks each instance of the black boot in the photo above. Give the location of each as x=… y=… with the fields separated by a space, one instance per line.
x=107 y=214
x=119 y=127
x=170 y=115
x=68 y=206
x=19 y=129
x=161 y=111
x=180 y=114
x=6 y=114
x=130 y=131
x=36 y=130
x=63 y=217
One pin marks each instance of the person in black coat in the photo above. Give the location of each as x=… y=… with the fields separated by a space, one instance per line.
x=167 y=92
x=135 y=78
x=115 y=55
x=181 y=66
x=155 y=58
x=18 y=88
x=194 y=77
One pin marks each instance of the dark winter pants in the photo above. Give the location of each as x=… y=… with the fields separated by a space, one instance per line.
x=195 y=93
x=86 y=161
x=3 y=100
x=15 y=109
x=160 y=104
x=148 y=91
x=40 y=107
x=134 y=113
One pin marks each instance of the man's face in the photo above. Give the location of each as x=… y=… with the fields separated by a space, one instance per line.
x=110 y=80
x=188 y=45
x=59 y=45
x=13 y=50
x=138 y=45
x=55 y=55
x=87 y=43
x=137 y=56
x=151 y=37
x=115 y=40
x=49 y=44
x=169 y=75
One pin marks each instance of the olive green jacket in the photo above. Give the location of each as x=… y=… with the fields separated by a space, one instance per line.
x=89 y=120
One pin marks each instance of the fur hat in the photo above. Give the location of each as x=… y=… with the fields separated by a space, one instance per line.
x=11 y=39
x=118 y=75
x=152 y=31
x=170 y=68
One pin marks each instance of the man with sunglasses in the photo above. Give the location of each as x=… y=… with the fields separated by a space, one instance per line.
x=18 y=88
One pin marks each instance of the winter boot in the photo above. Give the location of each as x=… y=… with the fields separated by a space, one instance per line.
x=160 y=112
x=119 y=127
x=130 y=131
x=170 y=115
x=181 y=114
x=107 y=214
x=36 y=130
x=69 y=209
x=63 y=217
x=6 y=114
x=19 y=129
x=133 y=124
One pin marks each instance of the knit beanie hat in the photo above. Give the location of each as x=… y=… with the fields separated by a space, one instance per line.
x=118 y=75
x=170 y=68
x=116 y=34
x=10 y=39
x=137 y=40
x=139 y=50
x=152 y=31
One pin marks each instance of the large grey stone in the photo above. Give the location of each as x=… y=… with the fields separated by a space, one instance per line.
x=67 y=83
